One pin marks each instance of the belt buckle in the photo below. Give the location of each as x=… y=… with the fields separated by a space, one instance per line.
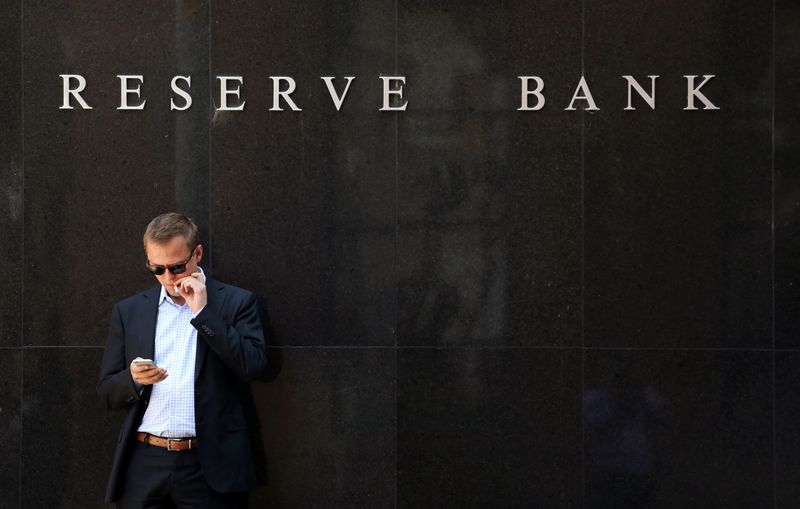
x=176 y=440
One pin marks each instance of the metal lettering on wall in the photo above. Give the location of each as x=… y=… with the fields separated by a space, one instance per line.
x=73 y=85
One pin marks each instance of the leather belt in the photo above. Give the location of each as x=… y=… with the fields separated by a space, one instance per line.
x=170 y=444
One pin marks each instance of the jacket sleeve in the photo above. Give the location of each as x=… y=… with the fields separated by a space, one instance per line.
x=240 y=345
x=116 y=388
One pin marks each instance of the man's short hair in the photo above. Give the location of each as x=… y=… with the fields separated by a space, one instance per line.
x=165 y=227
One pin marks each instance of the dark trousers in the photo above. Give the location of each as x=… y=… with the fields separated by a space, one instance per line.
x=157 y=478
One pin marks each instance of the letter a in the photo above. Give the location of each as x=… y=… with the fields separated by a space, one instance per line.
x=583 y=88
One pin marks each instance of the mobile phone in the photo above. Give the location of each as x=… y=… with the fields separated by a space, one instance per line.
x=144 y=362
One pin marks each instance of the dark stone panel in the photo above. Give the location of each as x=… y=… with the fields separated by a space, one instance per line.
x=303 y=205
x=328 y=423
x=787 y=176
x=489 y=428
x=10 y=425
x=489 y=212
x=94 y=178
x=68 y=439
x=467 y=56
x=305 y=42
x=787 y=428
x=11 y=177
x=666 y=429
x=678 y=203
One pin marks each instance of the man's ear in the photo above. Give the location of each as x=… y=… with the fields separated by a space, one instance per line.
x=199 y=253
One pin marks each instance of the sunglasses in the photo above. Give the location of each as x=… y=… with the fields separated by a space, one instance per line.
x=177 y=268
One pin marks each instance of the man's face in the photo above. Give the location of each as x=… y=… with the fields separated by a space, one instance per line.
x=170 y=253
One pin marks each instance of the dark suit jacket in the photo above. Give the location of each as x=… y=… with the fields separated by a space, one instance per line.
x=231 y=352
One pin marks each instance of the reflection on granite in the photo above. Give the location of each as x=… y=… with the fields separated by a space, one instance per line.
x=677 y=203
x=488 y=428
x=10 y=425
x=488 y=213
x=668 y=429
x=787 y=180
x=308 y=198
x=787 y=428
x=310 y=222
x=11 y=177
x=328 y=424
x=68 y=440
x=473 y=305
x=620 y=421
x=94 y=178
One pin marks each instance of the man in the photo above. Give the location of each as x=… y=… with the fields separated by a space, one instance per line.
x=185 y=441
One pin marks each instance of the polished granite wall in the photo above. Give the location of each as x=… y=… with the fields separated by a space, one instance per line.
x=471 y=306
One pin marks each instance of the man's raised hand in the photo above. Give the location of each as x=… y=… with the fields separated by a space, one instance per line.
x=193 y=290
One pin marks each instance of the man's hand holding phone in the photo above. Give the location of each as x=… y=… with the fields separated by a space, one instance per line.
x=145 y=371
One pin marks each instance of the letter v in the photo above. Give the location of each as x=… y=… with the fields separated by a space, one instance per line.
x=337 y=101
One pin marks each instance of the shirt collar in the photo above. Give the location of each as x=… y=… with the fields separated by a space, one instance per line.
x=165 y=296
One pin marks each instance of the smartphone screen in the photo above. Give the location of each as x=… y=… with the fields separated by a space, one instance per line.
x=144 y=362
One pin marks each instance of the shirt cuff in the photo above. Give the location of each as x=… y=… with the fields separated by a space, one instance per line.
x=137 y=387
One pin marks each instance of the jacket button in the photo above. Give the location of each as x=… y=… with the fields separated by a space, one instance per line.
x=130 y=400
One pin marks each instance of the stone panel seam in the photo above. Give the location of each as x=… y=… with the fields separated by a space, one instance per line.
x=497 y=347
x=583 y=264
x=209 y=148
x=772 y=163
x=396 y=268
x=55 y=347
x=22 y=247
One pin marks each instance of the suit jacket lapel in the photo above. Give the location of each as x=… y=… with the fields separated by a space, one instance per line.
x=147 y=336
